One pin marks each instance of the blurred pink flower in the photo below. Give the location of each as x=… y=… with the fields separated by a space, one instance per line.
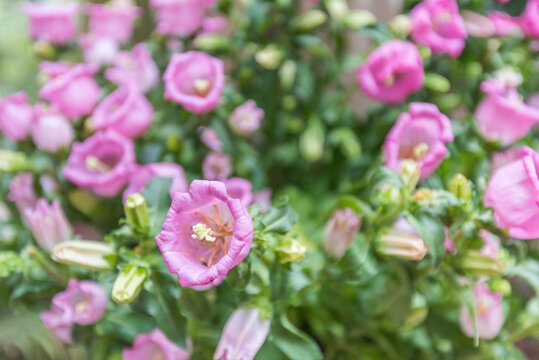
x=206 y=233
x=101 y=163
x=113 y=20
x=214 y=25
x=98 y=50
x=340 y=231
x=16 y=116
x=178 y=17
x=154 y=345
x=502 y=158
x=125 y=110
x=48 y=224
x=513 y=193
x=438 y=25
x=392 y=72
x=243 y=335
x=239 y=188
x=478 y=25
x=419 y=135
x=52 y=22
x=194 y=80
x=141 y=175
x=21 y=192
x=246 y=118
x=529 y=20
x=490 y=245
x=217 y=166
x=51 y=131
x=504 y=24
x=490 y=317
x=210 y=138
x=263 y=198
x=502 y=116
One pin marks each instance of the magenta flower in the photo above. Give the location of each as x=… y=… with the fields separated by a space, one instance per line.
x=154 y=345
x=16 y=116
x=206 y=233
x=513 y=193
x=98 y=50
x=194 y=80
x=239 y=188
x=73 y=91
x=419 y=135
x=504 y=24
x=58 y=321
x=263 y=198
x=101 y=163
x=502 y=116
x=178 y=17
x=243 y=335
x=135 y=67
x=143 y=174
x=478 y=25
x=438 y=25
x=51 y=130
x=214 y=25
x=246 y=118
x=217 y=166
x=490 y=245
x=529 y=20
x=113 y=20
x=53 y=23
x=48 y=224
x=340 y=231
x=490 y=317
x=210 y=138
x=21 y=192
x=449 y=245
x=125 y=110
x=392 y=72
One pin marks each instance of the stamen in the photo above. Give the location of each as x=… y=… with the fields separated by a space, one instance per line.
x=81 y=307
x=388 y=81
x=202 y=87
x=94 y=164
x=420 y=151
x=482 y=307
x=202 y=232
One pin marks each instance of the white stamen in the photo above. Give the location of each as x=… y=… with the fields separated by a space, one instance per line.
x=202 y=232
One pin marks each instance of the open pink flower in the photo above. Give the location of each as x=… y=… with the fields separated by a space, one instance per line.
x=58 y=321
x=98 y=50
x=194 y=80
x=101 y=163
x=340 y=231
x=48 y=224
x=214 y=25
x=478 y=25
x=504 y=23
x=125 y=110
x=113 y=20
x=154 y=345
x=243 y=335
x=529 y=20
x=50 y=22
x=246 y=118
x=21 y=192
x=135 y=68
x=143 y=174
x=419 y=135
x=502 y=116
x=239 y=188
x=73 y=91
x=438 y=25
x=179 y=17
x=490 y=317
x=16 y=116
x=392 y=72
x=51 y=130
x=206 y=233
x=513 y=193
x=217 y=166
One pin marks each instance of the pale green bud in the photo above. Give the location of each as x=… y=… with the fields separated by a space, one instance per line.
x=291 y=250
x=212 y=42
x=410 y=173
x=311 y=142
x=437 y=82
x=287 y=74
x=85 y=254
x=11 y=161
x=136 y=211
x=309 y=20
x=337 y=8
x=401 y=25
x=128 y=284
x=269 y=57
x=473 y=263
x=358 y=19
x=460 y=187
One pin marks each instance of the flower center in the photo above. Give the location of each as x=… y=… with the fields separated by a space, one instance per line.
x=202 y=87
x=94 y=164
x=212 y=233
x=202 y=232
x=159 y=356
x=482 y=307
x=420 y=150
x=81 y=307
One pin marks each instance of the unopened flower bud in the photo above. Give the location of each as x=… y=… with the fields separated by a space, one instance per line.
x=501 y=286
x=403 y=242
x=291 y=250
x=437 y=82
x=460 y=187
x=340 y=231
x=358 y=19
x=287 y=74
x=136 y=211
x=388 y=195
x=309 y=20
x=418 y=312
x=475 y=264
x=311 y=142
x=44 y=50
x=212 y=42
x=348 y=142
x=128 y=284
x=337 y=8
x=410 y=173
x=269 y=57
x=401 y=25
x=86 y=254
x=11 y=161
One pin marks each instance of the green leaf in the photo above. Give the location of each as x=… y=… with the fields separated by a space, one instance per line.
x=158 y=200
x=123 y=324
x=292 y=342
x=279 y=219
x=432 y=232
x=10 y=262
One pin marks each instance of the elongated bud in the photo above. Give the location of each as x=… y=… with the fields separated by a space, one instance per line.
x=85 y=254
x=499 y=285
x=128 y=284
x=418 y=312
x=358 y=19
x=309 y=20
x=270 y=57
x=402 y=242
x=348 y=142
x=44 y=50
x=410 y=173
x=287 y=74
x=401 y=25
x=212 y=42
x=311 y=142
x=11 y=161
x=460 y=187
x=388 y=195
x=136 y=211
x=437 y=82
x=291 y=250
x=473 y=263
x=336 y=8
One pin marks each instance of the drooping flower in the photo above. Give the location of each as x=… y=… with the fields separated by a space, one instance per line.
x=179 y=17
x=419 y=135
x=52 y=22
x=98 y=50
x=135 y=68
x=194 y=80
x=101 y=163
x=340 y=231
x=140 y=176
x=392 y=72
x=48 y=224
x=438 y=25
x=113 y=20
x=217 y=166
x=125 y=110
x=243 y=335
x=513 y=193
x=205 y=234
x=239 y=188
x=502 y=116
x=71 y=89
x=154 y=345
x=246 y=118
x=490 y=317
x=59 y=321
x=16 y=116
x=402 y=241
x=21 y=192
x=529 y=20
x=210 y=138
x=51 y=130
